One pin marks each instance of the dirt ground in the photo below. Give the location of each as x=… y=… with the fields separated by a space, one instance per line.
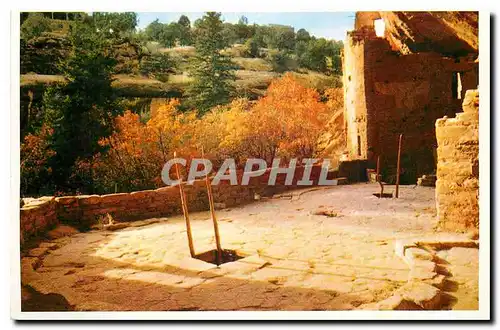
x=295 y=259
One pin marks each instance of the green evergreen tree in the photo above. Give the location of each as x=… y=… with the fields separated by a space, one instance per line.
x=212 y=71
x=114 y=25
x=185 y=37
x=154 y=30
x=81 y=111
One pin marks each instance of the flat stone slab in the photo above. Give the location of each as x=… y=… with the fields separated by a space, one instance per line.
x=422 y=294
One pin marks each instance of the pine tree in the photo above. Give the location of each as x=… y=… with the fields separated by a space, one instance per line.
x=81 y=111
x=212 y=71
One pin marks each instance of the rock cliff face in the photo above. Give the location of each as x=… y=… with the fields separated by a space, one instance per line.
x=331 y=144
x=449 y=33
x=41 y=55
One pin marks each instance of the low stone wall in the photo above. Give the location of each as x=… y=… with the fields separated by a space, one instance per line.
x=37 y=216
x=457 y=185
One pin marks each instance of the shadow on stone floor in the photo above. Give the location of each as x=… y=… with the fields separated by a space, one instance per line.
x=35 y=301
x=110 y=285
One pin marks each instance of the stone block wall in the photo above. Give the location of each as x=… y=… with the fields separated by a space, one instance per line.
x=354 y=96
x=457 y=185
x=39 y=215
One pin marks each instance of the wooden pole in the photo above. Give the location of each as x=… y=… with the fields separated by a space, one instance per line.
x=398 y=170
x=185 y=210
x=212 y=213
x=378 y=168
x=378 y=178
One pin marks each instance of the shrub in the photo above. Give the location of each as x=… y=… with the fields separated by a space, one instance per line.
x=157 y=65
x=34 y=26
x=35 y=155
x=252 y=48
x=278 y=60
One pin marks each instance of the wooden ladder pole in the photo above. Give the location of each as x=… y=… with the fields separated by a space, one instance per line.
x=398 y=170
x=212 y=213
x=185 y=210
x=378 y=168
x=378 y=178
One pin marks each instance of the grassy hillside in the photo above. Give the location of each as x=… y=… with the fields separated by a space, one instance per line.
x=253 y=76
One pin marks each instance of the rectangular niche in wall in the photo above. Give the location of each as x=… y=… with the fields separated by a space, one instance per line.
x=359 y=145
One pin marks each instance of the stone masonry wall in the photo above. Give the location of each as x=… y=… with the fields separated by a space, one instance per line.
x=354 y=95
x=39 y=215
x=457 y=185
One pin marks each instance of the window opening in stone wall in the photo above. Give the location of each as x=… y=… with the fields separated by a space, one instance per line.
x=359 y=145
x=456 y=86
x=379 y=27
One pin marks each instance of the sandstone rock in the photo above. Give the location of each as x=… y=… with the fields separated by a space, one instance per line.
x=427 y=181
x=219 y=206
x=256 y=261
x=49 y=246
x=471 y=101
x=452 y=31
x=144 y=194
x=414 y=253
x=331 y=213
x=113 y=198
x=395 y=302
x=424 y=295
x=438 y=281
x=192 y=264
x=38 y=252
x=401 y=245
x=421 y=274
x=473 y=234
x=29 y=264
x=457 y=169
x=61 y=231
x=65 y=200
x=89 y=200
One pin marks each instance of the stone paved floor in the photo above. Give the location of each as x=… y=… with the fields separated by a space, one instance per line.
x=296 y=260
x=463 y=282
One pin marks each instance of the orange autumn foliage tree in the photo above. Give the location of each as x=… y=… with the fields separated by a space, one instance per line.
x=285 y=123
x=130 y=160
x=35 y=156
x=136 y=152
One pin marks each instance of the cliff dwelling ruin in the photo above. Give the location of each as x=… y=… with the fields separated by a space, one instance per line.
x=402 y=72
x=402 y=81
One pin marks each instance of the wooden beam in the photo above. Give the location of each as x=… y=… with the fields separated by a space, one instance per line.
x=212 y=213
x=378 y=178
x=398 y=170
x=185 y=210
